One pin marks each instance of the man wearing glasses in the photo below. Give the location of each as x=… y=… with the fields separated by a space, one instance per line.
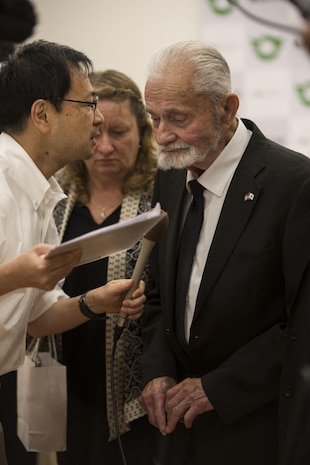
x=48 y=117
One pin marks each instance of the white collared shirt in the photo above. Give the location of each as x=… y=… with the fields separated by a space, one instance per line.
x=27 y=201
x=216 y=180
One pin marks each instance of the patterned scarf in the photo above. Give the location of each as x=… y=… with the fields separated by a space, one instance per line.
x=128 y=351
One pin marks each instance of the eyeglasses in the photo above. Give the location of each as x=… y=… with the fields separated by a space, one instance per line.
x=92 y=104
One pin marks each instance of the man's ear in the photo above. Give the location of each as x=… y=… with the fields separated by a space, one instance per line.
x=230 y=107
x=39 y=114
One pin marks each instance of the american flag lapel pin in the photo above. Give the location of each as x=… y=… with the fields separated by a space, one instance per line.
x=249 y=196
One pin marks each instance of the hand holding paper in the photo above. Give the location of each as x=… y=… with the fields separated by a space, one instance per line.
x=111 y=239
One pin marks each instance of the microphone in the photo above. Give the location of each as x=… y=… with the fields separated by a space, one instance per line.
x=17 y=20
x=149 y=240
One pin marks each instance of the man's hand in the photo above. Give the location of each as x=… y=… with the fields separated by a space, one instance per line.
x=32 y=269
x=65 y=313
x=184 y=402
x=153 y=400
x=109 y=298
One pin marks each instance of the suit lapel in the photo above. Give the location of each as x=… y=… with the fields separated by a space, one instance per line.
x=237 y=209
x=174 y=186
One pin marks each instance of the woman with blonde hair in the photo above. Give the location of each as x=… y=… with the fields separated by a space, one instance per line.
x=115 y=184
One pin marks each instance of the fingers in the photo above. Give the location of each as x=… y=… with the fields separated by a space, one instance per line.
x=184 y=402
x=33 y=269
x=56 y=268
x=134 y=307
x=155 y=407
x=137 y=292
x=109 y=298
x=66 y=260
x=153 y=400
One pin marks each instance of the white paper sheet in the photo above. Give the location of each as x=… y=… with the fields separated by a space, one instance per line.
x=111 y=239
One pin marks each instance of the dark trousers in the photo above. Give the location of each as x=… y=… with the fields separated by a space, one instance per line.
x=16 y=454
x=2 y=448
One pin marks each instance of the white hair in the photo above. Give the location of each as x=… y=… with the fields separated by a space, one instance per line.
x=206 y=67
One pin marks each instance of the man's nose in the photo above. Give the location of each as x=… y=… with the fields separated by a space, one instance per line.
x=164 y=134
x=98 y=117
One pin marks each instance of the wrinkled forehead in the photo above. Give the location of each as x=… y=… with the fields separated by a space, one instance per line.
x=175 y=86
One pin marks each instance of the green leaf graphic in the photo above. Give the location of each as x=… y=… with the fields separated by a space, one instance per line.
x=218 y=8
x=267 y=47
x=303 y=91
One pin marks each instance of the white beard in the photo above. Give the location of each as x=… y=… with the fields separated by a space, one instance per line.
x=180 y=155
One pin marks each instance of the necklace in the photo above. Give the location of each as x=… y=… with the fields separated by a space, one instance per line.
x=103 y=210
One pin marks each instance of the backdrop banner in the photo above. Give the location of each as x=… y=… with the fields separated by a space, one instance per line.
x=270 y=68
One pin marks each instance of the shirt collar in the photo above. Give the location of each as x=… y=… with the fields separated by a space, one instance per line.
x=216 y=177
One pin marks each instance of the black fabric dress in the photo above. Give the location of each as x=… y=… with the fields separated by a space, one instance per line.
x=84 y=355
x=16 y=453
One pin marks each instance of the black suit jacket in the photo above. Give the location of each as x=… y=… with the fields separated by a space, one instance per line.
x=237 y=338
x=294 y=407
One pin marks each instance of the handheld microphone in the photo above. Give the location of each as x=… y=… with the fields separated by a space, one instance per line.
x=17 y=20
x=149 y=240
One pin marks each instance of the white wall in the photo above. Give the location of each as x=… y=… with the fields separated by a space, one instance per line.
x=123 y=34
x=120 y=34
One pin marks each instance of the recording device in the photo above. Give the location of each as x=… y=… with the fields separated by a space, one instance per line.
x=148 y=242
x=17 y=21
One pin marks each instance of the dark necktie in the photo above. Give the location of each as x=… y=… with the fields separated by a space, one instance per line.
x=186 y=252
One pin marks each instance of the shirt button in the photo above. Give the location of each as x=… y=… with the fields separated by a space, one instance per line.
x=288 y=390
x=169 y=332
x=35 y=203
x=293 y=334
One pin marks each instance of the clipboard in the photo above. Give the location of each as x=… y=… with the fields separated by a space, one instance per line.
x=110 y=239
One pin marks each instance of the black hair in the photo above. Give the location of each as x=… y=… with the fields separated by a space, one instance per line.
x=40 y=69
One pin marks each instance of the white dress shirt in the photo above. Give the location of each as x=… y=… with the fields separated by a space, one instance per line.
x=27 y=202
x=216 y=180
